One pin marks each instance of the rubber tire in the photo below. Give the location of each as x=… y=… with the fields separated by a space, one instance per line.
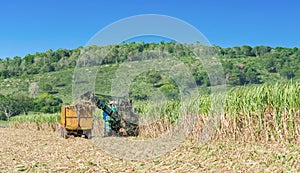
x=88 y=134
x=63 y=132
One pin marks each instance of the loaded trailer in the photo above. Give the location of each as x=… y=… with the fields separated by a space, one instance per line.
x=76 y=120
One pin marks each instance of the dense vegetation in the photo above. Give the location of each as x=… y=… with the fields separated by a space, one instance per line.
x=41 y=82
x=243 y=65
x=16 y=104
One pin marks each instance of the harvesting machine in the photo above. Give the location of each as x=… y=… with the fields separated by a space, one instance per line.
x=77 y=119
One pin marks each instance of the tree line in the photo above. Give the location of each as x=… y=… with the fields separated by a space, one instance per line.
x=12 y=105
x=242 y=65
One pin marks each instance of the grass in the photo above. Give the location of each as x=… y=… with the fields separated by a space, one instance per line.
x=3 y=123
x=46 y=122
x=36 y=118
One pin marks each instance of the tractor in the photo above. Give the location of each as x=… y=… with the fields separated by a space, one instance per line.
x=77 y=119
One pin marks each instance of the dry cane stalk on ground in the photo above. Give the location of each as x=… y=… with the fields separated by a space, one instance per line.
x=39 y=151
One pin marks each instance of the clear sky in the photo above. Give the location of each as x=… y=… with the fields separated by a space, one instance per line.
x=29 y=26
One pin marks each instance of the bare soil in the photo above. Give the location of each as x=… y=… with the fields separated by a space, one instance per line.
x=24 y=150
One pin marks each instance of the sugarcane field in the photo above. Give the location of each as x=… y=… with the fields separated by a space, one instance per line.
x=149 y=86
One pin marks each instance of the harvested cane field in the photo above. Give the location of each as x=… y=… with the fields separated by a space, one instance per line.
x=39 y=151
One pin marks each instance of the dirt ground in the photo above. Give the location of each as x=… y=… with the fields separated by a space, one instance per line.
x=39 y=151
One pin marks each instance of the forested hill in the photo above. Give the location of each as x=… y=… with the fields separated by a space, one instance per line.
x=242 y=65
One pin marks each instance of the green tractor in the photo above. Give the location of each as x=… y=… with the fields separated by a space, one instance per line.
x=123 y=122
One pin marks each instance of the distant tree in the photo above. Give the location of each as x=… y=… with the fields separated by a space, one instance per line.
x=47 y=103
x=237 y=50
x=4 y=73
x=9 y=107
x=227 y=65
x=287 y=72
x=154 y=77
x=25 y=102
x=252 y=76
x=236 y=77
x=34 y=89
x=278 y=49
x=247 y=50
x=47 y=68
x=270 y=64
x=261 y=50
x=46 y=88
x=201 y=78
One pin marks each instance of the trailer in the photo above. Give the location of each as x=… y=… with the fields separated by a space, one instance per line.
x=76 y=120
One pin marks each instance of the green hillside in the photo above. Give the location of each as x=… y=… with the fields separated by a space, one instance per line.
x=52 y=71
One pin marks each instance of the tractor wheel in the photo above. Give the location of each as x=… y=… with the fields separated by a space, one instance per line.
x=63 y=132
x=88 y=134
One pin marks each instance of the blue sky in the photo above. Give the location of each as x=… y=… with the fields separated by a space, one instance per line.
x=32 y=26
